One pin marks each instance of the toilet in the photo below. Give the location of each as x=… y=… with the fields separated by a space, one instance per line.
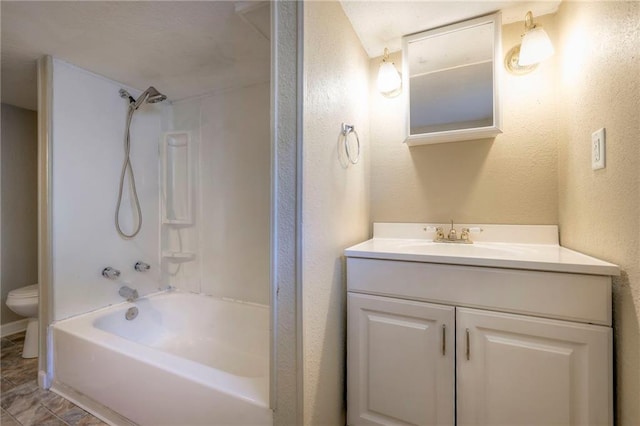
x=24 y=301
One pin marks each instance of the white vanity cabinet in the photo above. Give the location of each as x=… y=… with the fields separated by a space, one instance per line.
x=401 y=361
x=445 y=344
x=522 y=370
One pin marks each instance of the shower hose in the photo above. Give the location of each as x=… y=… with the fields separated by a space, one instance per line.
x=126 y=165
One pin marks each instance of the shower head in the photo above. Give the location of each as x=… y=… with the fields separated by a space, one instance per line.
x=151 y=95
x=154 y=96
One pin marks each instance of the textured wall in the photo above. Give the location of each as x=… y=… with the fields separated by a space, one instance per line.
x=19 y=202
x=512 y=179
x=230 y=130
x=88 y=122
x=600 y=210
x=335 y=199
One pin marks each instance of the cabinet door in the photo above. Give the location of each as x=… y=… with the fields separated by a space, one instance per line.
x=520 y=370
x=400 y=362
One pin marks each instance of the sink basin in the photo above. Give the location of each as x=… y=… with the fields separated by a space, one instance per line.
x=530 y=247
x=453 y=249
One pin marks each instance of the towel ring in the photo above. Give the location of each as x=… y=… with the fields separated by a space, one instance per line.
x=346 y=130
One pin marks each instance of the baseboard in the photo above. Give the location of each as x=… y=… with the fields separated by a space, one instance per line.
x=13 y=327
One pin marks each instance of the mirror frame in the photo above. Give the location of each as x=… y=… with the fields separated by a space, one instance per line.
x=459 y=134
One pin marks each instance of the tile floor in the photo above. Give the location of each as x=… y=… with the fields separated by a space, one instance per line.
x=23 y=402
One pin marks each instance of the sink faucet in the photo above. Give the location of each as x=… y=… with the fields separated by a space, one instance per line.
x=452 y=233
x=452 y=236
x=128 y=293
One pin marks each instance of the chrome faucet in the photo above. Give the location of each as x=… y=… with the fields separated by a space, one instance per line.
x=110 y=273
x=128 y=293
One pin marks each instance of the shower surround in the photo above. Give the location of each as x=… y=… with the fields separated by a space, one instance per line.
x=219 y=361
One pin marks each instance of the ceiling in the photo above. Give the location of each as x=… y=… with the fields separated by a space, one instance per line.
x=183 y=48
x=189 y=48
x=381 y=24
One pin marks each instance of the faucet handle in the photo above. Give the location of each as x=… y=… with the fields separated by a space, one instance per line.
x=472 y=229
x=438 y=230
x=110 y=273
x=464 y=235
x=142 y=267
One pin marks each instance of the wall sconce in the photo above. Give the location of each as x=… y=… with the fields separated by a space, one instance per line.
x=389 y=81
x=535 y=48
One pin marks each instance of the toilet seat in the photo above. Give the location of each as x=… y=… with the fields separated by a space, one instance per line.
x=26 y=292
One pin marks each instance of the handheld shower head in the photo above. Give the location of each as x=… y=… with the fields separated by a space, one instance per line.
x=154 y=96
x=151 y=95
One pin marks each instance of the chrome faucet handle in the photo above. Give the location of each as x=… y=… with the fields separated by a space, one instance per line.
x=110 y=273
x=142 y=267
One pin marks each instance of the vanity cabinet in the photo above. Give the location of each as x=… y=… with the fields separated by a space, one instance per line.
x=522 y=370
x=430 y=345
x=401 y=361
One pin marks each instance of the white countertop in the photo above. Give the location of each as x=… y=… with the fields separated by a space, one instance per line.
x=497 y=254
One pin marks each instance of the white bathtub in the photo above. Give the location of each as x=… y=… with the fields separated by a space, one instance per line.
x=185 y=360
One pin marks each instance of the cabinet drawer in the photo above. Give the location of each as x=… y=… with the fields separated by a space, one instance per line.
x=575 y=297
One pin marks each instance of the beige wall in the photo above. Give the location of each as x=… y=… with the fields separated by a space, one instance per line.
x=599 y=78
x=512 y=179
x=335 y=199
x=538 y=171
x=19 y=202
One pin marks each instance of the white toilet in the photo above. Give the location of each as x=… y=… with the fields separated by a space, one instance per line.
x=24 y=301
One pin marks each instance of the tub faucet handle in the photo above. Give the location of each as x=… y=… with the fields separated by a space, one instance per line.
x=110 y=273
x=142 y=267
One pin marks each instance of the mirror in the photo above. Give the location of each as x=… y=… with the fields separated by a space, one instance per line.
x=451 y=77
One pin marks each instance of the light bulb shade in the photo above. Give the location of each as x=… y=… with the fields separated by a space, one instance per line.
x=536 y=47
x=389 y=80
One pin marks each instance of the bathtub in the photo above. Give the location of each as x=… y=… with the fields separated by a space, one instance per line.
x=186 y=359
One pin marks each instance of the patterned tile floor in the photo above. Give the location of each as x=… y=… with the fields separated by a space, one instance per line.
x=23 y=402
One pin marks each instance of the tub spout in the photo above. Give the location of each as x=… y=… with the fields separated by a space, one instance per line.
x=128 y=293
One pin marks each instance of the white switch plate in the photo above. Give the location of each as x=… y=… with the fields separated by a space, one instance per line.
x=598 y=149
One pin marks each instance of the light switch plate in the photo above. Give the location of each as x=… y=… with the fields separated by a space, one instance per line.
x=598 y=149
